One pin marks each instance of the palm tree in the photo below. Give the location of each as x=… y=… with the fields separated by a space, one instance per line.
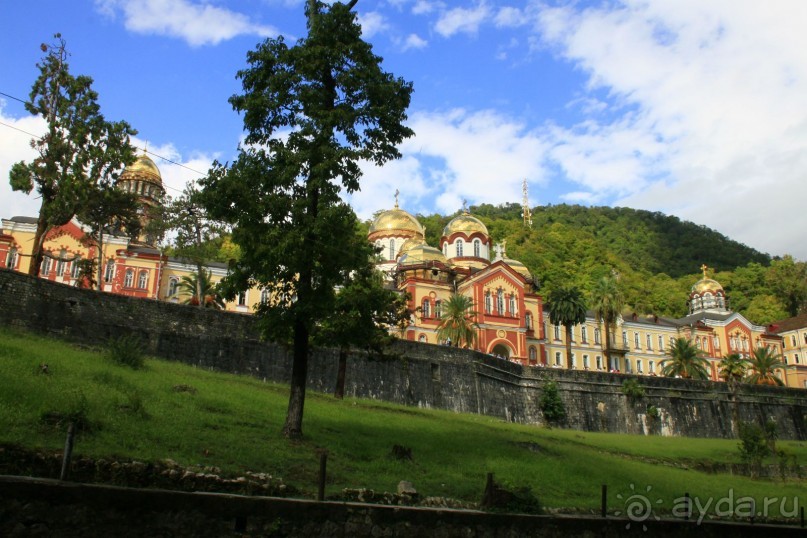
x=763 y=365
x=733 y=368
x=685 y=360
x=200 y=285
x=458 y=320
x=607 y=302
x=567 y=307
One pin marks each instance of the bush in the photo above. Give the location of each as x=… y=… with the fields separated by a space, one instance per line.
x=632 y=389
x=753 y=446
x=126 y=351
x=551 y=404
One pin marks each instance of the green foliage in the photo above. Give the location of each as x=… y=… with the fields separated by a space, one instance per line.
x=126 y=351
x=763 y=366
x=685 y=360
x=567 y=307
x=632 y=389
x=200 y=290
x=652 y=412
x=458 y=321
x=551 y=405
x=788 y=279
x=733 y=368
x=753 y=446
x=79 y=149
x=311 y=112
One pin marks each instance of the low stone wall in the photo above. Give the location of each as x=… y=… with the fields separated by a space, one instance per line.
x=409 y=373
x=42 y=507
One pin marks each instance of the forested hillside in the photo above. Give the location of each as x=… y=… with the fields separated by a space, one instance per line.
x=657 y=257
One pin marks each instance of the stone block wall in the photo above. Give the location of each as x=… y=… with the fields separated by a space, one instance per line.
x=409 y=373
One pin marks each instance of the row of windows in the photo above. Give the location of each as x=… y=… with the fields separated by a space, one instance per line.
x=616 y=364
x=459 y=247
x=503 y=307
x=794 y=341
x=61 y=266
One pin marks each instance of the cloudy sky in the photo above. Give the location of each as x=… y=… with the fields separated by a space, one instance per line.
x=695 y=109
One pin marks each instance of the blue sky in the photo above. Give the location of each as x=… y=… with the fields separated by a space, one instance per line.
x=695 y=109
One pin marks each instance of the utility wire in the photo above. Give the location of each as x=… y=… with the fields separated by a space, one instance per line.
x=166 y=159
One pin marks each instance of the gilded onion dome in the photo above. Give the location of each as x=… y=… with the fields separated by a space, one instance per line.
x=143 y=169
x=518 y=267
x=421 y=253
x=410 y=243
x=706 y=284
x=397 y=222
x=465 y=223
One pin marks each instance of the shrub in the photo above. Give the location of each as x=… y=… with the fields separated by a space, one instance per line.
x=126 y=351
x=632 y=389
x=753 y=446
x=551 y=404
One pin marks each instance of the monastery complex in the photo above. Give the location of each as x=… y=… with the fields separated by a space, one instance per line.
x=513 y=321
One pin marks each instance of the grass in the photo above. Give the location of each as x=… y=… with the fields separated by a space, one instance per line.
x=198 y=417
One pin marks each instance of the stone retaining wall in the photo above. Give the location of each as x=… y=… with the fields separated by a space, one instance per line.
x=409 y=373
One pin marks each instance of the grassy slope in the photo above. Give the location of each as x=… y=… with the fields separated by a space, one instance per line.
x=233 y=422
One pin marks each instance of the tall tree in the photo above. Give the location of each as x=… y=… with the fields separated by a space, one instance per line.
x=567 y=307
x=79 y=149
x=762 y=366
x=312 y=111
x=685 y=360
x=458 y=320
x=109 y=210
x=733 y=368
x=607 y=302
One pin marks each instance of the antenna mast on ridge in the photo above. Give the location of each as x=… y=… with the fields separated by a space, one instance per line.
x=525 y=205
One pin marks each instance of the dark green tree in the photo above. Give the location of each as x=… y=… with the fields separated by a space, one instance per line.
x=685 y=360
x=458 y=321
x=79 y=149
x=109 y=210
x=607 y=302
x=788 y=279
x=312 y=111
x=366 y=314
x=567 y=307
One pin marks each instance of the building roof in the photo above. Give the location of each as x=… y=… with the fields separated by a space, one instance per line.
x=790 y=324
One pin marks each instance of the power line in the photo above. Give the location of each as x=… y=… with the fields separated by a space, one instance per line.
x=166 y=159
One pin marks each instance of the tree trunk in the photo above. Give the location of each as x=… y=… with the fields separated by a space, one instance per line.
x=569 y=364
x=100 y=282
x=293 y=429
x=39 y=240
x=339 y=392
x=199 y=269
x=607 y=351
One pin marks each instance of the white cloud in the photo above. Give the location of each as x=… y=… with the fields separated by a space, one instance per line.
x=510 y=17
x=372 y=23
x=423 y=7
x=15 y=147
x=706 y=116
x=198 y=23
x=413 y=41
x=462 y=20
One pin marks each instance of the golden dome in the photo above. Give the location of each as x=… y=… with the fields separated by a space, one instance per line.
x=518 y=267
x=397 y=220
x=464 y=223
x=143 y=168
x=421 y=253
x=410 y=243
x=706 y=284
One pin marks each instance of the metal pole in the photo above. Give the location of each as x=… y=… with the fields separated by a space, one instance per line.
x=68 y=451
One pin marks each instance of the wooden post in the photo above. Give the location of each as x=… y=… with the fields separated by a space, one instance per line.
x=323 y=460
x=68 y=450
x=802 y=517
x=604 y=501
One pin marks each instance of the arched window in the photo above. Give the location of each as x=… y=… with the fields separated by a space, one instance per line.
x=477 y=248
x=513 y=304
x=391 y=249
x=500 y=301
x=264 y=296
x=488 y=302
x=438 y=309
x=597 y=336
x=61 y=264
x=458 y=246
x=142 y=279
x=128 y=279
x=557 y=332
x=583 y=334
x=45 y=266
x=242 y=298
x=75 y=270
x=109 y=272
x=11 y=260
x=422 y=338
x=173 y=284
x=528 y=320
x=533 y=354
x=426 y=308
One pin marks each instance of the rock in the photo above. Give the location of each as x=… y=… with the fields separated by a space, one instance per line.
x=406 y=488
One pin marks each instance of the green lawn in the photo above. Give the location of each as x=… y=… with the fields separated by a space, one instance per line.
x=198 y=417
